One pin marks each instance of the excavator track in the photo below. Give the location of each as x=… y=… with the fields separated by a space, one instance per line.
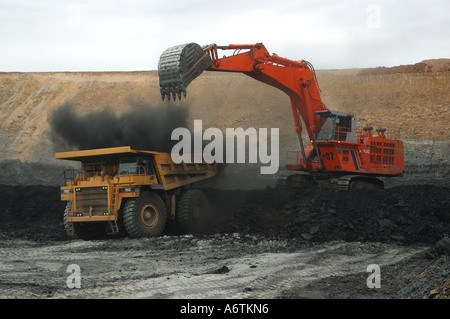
x=178 y=66
x=342 y=183
x=354 y=182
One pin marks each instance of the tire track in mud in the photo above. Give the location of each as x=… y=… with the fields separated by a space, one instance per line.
x=183 y=267
x=266 y=280
x=305 y=270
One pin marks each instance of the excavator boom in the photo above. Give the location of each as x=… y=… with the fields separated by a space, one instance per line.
x=181 y=64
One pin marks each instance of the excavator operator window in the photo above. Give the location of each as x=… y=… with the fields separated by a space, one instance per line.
x=343 y=127
x=337 y=126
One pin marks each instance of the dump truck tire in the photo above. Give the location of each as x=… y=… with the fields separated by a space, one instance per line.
x=192 y=210
x=120 y=223
x=144 y=216
x=85 y=231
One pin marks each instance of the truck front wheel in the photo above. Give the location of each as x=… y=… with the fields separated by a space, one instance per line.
x=144 y=216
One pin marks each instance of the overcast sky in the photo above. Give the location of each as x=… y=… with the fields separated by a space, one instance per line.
x=101 y=35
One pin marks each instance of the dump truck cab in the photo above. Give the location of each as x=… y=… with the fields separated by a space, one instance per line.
x=132 y=191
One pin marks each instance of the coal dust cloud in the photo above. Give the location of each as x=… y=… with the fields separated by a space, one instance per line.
x=144 y=126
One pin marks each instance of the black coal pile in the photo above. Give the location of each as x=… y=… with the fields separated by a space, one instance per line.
x=403 y=215
x=31 y=212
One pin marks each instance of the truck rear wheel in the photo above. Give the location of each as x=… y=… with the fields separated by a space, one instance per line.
x=145 y=216
x=192 y=210
x=86 y=231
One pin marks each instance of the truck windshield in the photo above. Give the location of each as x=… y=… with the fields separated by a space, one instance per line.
x=128 y=166
x=136 y=166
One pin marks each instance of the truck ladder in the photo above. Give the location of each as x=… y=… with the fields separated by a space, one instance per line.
x=114 y=199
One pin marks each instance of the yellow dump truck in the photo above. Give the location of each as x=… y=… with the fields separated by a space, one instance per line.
x=122 y=190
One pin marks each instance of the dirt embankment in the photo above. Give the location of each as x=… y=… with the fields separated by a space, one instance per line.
x=426 y=66
x=417 y=103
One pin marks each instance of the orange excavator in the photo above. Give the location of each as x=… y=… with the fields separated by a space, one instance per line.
x=347 y=157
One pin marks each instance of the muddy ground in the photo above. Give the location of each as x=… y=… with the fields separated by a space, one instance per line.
x=276 y=243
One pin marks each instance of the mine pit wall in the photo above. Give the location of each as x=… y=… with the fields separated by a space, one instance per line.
x=424 y=159
x=16 y=172
x=427 y=157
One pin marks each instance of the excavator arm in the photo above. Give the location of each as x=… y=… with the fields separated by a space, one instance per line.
x=179 y=65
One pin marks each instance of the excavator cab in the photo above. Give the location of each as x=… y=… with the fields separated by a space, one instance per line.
x=338 y=126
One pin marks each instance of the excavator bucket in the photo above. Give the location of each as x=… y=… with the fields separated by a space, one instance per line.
x=178 y=66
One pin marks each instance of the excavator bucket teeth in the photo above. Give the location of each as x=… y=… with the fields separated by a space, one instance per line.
x=178 y=66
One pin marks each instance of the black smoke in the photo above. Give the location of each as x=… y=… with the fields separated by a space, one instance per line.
x=144 y=127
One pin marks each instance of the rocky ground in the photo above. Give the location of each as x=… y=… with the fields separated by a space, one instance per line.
x=272 y=243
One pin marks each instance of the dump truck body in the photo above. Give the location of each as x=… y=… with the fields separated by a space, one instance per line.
x=110 y=177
